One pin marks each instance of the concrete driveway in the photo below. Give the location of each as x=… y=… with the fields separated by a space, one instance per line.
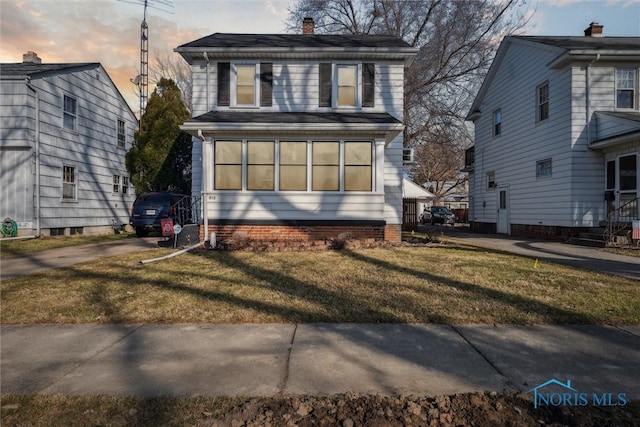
x=34 y=262
x=544 y=250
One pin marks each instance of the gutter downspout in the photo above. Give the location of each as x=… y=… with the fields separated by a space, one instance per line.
x=37 y=141
x=588 y=101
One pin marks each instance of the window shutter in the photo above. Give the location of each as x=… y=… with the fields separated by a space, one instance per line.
x=224 y=74
x=368 y=84
x=325 y=85
x=266 y=84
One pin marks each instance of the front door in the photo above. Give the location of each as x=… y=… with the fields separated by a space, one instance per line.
x=628 y=184
x=503 y=210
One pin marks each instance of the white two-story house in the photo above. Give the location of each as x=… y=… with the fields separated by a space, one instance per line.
x=557 y=136
x=298 y=136
x=64 y=133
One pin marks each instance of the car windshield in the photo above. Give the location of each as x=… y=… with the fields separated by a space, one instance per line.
x=153 y=199
x=440 y=210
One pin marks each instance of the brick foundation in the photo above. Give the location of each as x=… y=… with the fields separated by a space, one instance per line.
x=548 y=232
x=393 y=233
x=298 y=233
x=484 y=227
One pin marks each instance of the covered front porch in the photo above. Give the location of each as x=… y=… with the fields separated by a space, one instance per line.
x=619 y=143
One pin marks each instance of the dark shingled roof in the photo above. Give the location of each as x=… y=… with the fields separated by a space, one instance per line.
x=586 y=43
x=23 y=69
x=294 y=117
x=627 y=115
x=229 y=40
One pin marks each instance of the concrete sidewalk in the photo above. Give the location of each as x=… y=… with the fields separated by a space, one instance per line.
x=273 y=359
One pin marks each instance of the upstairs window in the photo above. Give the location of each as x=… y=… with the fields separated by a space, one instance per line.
x=69 y=113
x=346 y=85
x=497 y=122
x=245 y=85
x=543 y=102
x=121 y=133
x=116 y=183
x=625 y=88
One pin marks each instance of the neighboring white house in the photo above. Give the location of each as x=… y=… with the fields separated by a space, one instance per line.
x=65 y=130
x=298 y=136
x=557 y=135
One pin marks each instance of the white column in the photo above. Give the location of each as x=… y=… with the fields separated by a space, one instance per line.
x=379 y=144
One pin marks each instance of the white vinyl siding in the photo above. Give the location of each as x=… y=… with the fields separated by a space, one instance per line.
x=295 y=88
x=91 y=149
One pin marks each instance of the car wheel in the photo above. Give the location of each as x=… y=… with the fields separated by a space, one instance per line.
x=142 y=232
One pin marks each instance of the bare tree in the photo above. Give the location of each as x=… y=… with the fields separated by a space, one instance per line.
x=457 y=41
x=168 y=65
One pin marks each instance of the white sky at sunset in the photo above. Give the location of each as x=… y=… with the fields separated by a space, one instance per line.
x=108 y=31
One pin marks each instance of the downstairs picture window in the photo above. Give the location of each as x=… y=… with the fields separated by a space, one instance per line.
x=298 y=165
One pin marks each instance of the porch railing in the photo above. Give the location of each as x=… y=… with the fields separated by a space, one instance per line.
x=187 y=210
x=619 y=222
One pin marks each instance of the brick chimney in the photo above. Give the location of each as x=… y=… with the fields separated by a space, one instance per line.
x=594 y=30
x=31 y=58
x=308 y=26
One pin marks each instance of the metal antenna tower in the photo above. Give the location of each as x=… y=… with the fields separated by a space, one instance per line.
x=142 y=79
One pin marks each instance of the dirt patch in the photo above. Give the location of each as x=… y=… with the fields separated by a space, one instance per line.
x=460 y=410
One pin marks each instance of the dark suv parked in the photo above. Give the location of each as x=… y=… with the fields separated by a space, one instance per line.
x=438 y=215
x=150 y=208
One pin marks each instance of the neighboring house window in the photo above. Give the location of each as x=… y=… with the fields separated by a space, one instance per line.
x=491 y=180
x=69 y=113
x=325 y=170
x=543 y=102
x=69 y=182
x=357 y=166
x=116 y=183
x=543 y=168
x=125 y=185
x=260 y=165
x=121 y=133
x=228 y=164
x=343 y=85
x=239 y=84
x=497 y=122
x=293 y=166
x=625 y=88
